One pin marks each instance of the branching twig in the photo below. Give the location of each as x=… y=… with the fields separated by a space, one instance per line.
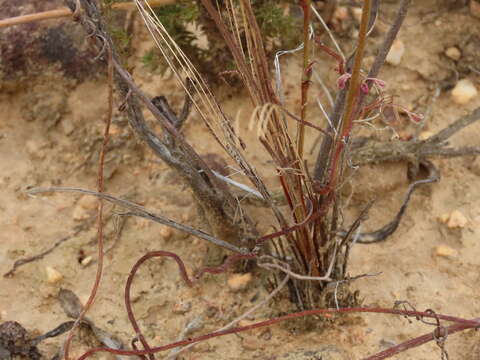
x=383 y=233
x=65 y=12
x=414 y=150
x=72 y=235
x=140 y=211
x=418 y=341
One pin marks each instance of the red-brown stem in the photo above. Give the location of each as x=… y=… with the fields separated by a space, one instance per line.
x=128 y=286
x=412 y=343
x=231 y=260
x=100 y=187
x=468 y=324
x=337 y=57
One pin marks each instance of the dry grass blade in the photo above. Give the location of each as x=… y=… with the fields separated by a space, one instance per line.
x=140 y=211
x=204 y=101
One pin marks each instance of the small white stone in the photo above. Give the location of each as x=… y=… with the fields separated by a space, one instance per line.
x=445 y=251
x=53 y=276
x=453 y=53
x=86 y=261
x=464 y=91
x=457 y=220
x=396 y=52
x=238 y=282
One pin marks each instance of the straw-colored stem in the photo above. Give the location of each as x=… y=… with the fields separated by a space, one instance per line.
x=65 y=11
x=353 y=92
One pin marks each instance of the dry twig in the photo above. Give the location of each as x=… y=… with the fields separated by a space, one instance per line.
x=65 y=12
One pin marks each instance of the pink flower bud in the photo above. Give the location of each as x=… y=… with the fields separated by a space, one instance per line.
x=364 y=87
x=342 y=80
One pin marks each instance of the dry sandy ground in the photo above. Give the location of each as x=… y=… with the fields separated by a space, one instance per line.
x=43 y=152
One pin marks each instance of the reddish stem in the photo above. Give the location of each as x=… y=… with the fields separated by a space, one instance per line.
x=412 y=343
x=466 y=324
x=128 y=285
x=100 y=187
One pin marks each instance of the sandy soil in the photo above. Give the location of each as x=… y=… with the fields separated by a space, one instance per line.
x=41 y=147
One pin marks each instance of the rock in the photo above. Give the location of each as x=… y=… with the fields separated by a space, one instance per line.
x=166 y=233
x=251 y=343
x=84 y=208
x=79 y=213
x=464 y=91
x=88 y=202
x=395 y=54
x=115 y=130
x=424 y=135
x=357 y=13
x=67 y=126
x=445 y=251
x=54 y=52
x=341 y=13
x=86 y=261
x=238 y=282
x=53 y=276
x=453 y=53
x=475 y=8
x=456 y=220
x=444 y=218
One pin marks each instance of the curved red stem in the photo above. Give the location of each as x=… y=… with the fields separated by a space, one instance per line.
x=128 y=285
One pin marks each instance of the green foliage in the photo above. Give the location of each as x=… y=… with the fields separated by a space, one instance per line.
x=275 y=24
x=150 y=60
x=178 y=15
x=279 y=29
x=176 y=18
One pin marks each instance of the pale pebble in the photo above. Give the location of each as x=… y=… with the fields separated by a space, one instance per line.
x=396 y=52
x=53 y=276
x=464 y=91
x=445 y=251
x=453 y=53
x=238 y=282
x=456 y=220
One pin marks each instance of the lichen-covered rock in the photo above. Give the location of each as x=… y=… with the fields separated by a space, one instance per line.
x=42 y=49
